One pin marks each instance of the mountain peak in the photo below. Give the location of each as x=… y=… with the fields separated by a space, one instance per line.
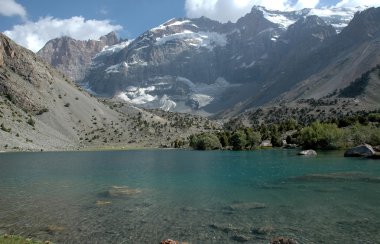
x=110 y=39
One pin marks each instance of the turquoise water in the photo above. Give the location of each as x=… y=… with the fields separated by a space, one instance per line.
x=197 y=197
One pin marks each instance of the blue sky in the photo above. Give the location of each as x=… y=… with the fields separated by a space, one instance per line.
x=32 y=23
x=135 y=16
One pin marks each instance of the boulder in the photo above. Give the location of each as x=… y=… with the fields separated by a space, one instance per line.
x=169 y=241
x=283 y=240
x=266 y=143
x=308 y=153
x=364 y=150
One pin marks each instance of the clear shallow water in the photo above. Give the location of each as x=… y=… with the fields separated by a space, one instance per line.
x=198 y=197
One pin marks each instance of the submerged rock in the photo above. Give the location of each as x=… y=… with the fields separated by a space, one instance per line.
x=246 y=206
x=225 y=228
x=102 y=203
x=240 y=238
x=283 y=240
x=121 y=191
x=262 y=230
x=169 y=241
x=340 y=176
x=364 y=150
x=308 y=153
x=51 y=229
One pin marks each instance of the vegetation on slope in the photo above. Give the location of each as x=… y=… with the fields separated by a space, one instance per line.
x=333 y=134
x=13 y=239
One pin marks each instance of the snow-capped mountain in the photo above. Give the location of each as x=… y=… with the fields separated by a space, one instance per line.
x=206 y=66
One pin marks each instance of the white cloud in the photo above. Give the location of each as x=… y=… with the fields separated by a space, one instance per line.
x=11 y=8
x=355 y=3
x=34 y=35
x=306 y=4
x=225 y=10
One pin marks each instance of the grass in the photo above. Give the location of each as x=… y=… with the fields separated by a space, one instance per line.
x=13 y=239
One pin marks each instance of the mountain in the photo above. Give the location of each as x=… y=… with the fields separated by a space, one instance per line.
x=73 y=57
x=266 y=57
x=41 y=109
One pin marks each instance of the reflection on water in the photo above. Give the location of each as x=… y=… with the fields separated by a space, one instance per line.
x=198 y=197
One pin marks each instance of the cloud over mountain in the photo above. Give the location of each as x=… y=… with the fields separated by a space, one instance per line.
x=231 y=10
x=34 y=35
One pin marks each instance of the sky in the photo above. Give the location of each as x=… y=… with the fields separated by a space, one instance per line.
x=33 y=23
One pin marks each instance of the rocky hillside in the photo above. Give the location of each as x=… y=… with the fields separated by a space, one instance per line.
x=73 y=57
x=40 y=109
x=359 y=98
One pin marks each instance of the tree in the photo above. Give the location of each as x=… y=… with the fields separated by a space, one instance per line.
x=321 y=136
x=253 y=138
x=205 y=141
x=239 y=140
x=224 y=138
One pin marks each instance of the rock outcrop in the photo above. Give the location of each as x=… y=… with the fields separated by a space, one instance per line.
x=73 y=57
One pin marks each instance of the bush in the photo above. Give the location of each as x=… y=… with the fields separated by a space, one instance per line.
x=239 y=140
x=359 y=134
x=205 y=141
x=44 y=110
x=2 y=127
x=321 y=136
x=253 y=138
x=31 y=121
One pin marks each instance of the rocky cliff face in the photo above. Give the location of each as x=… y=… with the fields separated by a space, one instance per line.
x=73 y=57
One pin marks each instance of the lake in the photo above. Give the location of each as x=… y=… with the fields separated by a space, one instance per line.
x=199 y=197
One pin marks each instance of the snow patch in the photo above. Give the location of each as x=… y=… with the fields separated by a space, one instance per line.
x=166 y=104
x=279 y=19
x=108 y=50
x=138 y=96
x=201 y=99
x=201 y=39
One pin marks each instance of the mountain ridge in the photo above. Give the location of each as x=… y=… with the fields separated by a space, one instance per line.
x=203 y=66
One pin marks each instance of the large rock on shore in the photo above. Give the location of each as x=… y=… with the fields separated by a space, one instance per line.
x=364 y=150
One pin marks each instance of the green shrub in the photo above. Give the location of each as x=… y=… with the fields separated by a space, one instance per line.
x=31 y=121
x=239 y=140
x=322 y=136
x=2 y=127
x=253 y=138
x=359 y=134
x=205 y=141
